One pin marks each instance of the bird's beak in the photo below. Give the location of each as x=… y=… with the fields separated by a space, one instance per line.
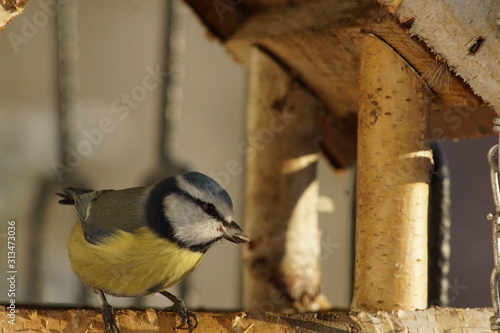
x=233 y=233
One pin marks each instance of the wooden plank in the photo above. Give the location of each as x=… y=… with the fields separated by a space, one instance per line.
x=462 y=122
x=465 y=34
x=149 y=320
x=433 y=320
x=221 y=17
x=310 y=40
x=321 y=42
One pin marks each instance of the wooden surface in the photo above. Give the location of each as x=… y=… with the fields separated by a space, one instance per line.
x=90 y=321
x=393 y=174
x=454 y=30
x=10 y=9
x=281 y=262
x=433 y=320
x=320 y=42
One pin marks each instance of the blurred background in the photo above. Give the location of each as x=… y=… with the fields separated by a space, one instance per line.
x=82 y=100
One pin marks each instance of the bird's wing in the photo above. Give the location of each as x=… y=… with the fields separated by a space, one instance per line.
x=80 y=198
x=83 y=201
x=110 y=211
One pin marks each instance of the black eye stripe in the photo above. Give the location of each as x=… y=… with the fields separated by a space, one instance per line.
x=207 y=207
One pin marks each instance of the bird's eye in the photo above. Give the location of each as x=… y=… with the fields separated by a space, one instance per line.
x=209 y=209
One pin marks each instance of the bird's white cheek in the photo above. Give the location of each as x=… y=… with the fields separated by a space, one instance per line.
x=198 y=232
x=189 y=223
x=179 y=211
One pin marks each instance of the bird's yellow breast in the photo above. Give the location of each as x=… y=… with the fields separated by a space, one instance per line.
x=130 y=264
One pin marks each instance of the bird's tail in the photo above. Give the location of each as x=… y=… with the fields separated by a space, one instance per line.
x=69 y=194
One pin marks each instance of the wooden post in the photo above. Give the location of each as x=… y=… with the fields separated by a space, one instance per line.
x=282 y=268
x=394 y=165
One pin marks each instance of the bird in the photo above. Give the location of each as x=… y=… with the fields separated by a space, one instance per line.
x=143 y=240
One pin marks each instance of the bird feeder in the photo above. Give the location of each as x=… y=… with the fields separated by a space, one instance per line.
x=390 y=77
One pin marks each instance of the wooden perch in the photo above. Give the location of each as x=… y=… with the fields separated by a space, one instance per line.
x=434 y=320
x=10 y=9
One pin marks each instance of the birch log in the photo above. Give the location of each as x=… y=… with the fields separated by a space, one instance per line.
x=394 y=165
x=282 y=269
x=464 y=33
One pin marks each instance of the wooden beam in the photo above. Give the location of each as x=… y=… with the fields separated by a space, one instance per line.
x=321 y=42
x=149 y=320
x=439 y=320
x=86 y=320
x=220 y=17
x=464 y=33
x=282 y=268
x=394 y=165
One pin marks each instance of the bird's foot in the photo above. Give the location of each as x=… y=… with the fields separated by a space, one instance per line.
x=110 y=324
x=188 y=317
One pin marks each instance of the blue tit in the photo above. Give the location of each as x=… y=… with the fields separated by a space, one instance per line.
x=143 y=240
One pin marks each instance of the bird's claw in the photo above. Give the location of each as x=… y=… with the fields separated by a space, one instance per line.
x=111 y=326
x=180 y=307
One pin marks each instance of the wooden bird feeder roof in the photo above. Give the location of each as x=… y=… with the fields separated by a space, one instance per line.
x=453 y=45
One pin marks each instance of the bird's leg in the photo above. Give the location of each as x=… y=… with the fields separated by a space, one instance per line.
x=180 y=307
x=111 y=326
